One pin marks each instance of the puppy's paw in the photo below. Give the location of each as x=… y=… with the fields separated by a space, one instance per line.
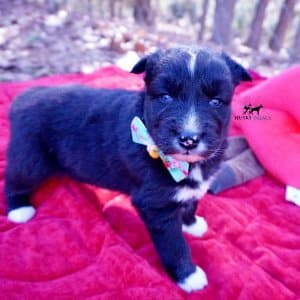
x=194 y=282
x=21 y=214
x=196 y=229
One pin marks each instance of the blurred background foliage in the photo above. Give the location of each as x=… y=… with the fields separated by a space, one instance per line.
x=42 y=37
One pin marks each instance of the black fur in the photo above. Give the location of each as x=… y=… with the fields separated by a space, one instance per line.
x=85 y=133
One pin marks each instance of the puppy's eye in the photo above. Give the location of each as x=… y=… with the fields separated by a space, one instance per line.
x=165 y=99
x=215 y=102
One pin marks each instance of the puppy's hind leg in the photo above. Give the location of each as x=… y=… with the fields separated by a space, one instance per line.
x=27 y=166
x=192 y=224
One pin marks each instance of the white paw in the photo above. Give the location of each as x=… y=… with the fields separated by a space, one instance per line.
x=21 y=214
x=196 y=229
x=194 y=282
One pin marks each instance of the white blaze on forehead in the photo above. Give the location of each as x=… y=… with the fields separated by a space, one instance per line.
x=192 y=62
x=191 y=122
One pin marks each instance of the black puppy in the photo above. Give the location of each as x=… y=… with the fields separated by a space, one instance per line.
x=85 y=133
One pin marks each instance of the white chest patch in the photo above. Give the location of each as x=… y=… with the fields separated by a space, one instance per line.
x=187 y=193
x=196 y=174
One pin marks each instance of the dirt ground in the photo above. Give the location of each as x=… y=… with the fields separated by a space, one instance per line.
x=34 y=43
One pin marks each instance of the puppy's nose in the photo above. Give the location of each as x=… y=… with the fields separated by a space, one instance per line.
x=188 y=140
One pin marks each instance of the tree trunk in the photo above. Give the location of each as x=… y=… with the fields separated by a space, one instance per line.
x=222 y=31
x=286 y=15
x=119 y=8
x=142 y=12
x=256 y=25
x=52 y=6
x=112 y=8
x=296 y=45
x=202 y=20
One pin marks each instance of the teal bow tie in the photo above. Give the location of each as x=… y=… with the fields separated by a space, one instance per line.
x=140 y=135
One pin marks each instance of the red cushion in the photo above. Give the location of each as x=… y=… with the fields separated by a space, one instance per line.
x=89 y=243
x=276 y=140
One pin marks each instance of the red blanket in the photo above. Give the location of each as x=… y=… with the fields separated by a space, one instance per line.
x=89 y=243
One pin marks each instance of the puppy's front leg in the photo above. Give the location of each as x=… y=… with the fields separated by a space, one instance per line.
x=164 y=222
x=192 y=224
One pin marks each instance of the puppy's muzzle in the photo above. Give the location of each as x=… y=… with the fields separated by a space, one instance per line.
x=188 y=140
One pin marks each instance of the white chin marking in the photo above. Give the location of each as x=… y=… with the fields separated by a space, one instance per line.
x=21 y=214
x=196 y=229
x=194 y=282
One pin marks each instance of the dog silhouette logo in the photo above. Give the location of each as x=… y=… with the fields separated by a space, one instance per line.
x=251 y=109
x=250 y=112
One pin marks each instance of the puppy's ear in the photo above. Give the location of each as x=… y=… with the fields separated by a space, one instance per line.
x=146 y=63
x=140 y=66
x=238 y=72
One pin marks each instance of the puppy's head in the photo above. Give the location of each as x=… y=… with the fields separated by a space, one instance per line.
x=188 y=99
